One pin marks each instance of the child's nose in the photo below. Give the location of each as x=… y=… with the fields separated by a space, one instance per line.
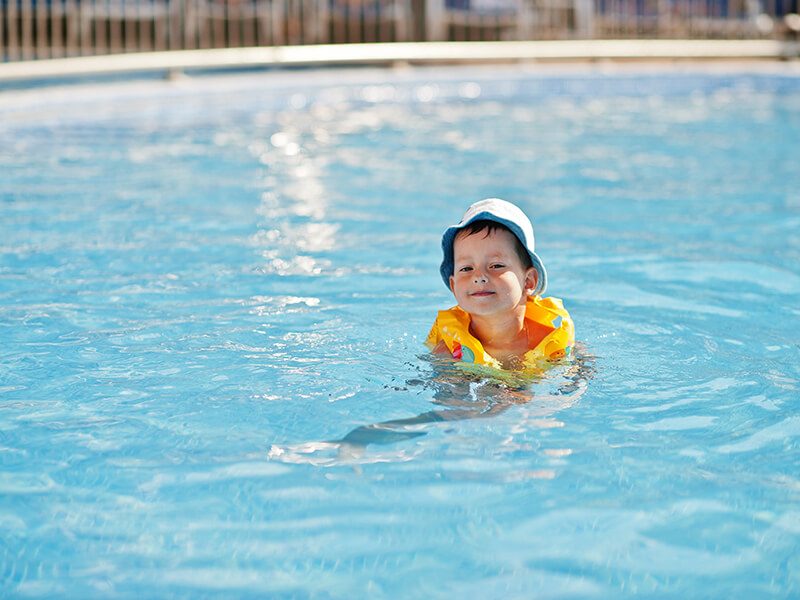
x=480 y=277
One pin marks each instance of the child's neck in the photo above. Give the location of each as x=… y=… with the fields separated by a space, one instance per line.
x=504 y=336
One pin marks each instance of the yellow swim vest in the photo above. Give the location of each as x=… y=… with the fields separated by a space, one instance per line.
x=546 y=315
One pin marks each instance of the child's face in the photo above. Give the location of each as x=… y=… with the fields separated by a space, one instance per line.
x=488 y=276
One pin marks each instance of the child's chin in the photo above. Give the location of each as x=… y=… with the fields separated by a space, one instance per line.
x=476 y=309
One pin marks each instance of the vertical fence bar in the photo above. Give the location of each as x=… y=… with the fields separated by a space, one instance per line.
x=252 y=33
x=57 y=15
x=278 y=16
x=179 y=15
x=114 y=28
x=232 y=22
x=160 y=11
x=127 y=26
x=238 y=21
x=217 y=11
x=27 y=29
x=40 y=30
x=229 y=8
x=435 y=27
x=351 y=30
x=203 y=23
x=13 y=38
x=128 y=15
x=339 y=32
x=371 y=20
x=386 y=15
x=84 y=29
x=3 y=21
x=102 y=33
x=319 y=17
x=147 y=13
x=262 y=23
x=71 y=26
x=249 y=34
x=92 y=32
x=342 y=16
x=302 y=15
x=264 y=20
x=173 y=26
x=292 y=16
x=584 y=18
x=248 y=20
x=67 y=21
x=159 y=20
x=406 y=26
x=193 y=28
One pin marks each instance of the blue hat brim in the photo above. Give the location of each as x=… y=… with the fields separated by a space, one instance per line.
x=446 y=268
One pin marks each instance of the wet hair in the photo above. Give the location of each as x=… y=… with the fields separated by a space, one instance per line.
x=490 y=227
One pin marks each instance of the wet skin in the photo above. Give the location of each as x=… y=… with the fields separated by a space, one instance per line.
x=490 y=282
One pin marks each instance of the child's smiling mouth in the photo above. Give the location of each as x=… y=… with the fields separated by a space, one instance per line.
x=481 y=294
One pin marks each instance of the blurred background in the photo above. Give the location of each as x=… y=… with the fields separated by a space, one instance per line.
x=37 y=29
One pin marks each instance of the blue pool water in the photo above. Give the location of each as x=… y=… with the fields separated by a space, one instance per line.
x=206 y=285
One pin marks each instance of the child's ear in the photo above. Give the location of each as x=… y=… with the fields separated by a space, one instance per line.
x=452 y=287
x=531 y=279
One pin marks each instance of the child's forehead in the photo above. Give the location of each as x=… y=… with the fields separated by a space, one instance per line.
x=498 y=240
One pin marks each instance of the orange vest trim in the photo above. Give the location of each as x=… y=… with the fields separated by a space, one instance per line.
x=546 y=316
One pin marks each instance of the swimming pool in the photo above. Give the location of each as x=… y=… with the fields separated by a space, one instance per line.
x=205 y=282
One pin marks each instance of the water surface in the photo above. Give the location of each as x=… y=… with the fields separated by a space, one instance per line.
x=205 y=283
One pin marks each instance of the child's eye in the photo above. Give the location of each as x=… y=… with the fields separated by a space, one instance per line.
x=498 y=265
x=465 y=269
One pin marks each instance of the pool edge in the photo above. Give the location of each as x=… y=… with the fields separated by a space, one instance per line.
x=414 y=53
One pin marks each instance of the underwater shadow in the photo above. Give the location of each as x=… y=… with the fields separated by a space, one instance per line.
x=462 y=395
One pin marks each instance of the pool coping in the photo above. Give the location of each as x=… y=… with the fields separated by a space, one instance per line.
x=412 y=53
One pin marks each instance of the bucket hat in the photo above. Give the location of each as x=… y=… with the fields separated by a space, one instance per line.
x=502 y=212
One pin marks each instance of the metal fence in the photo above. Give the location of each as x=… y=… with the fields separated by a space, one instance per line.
x=37 y=29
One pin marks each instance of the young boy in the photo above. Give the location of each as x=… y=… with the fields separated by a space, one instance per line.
x=497 y=279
